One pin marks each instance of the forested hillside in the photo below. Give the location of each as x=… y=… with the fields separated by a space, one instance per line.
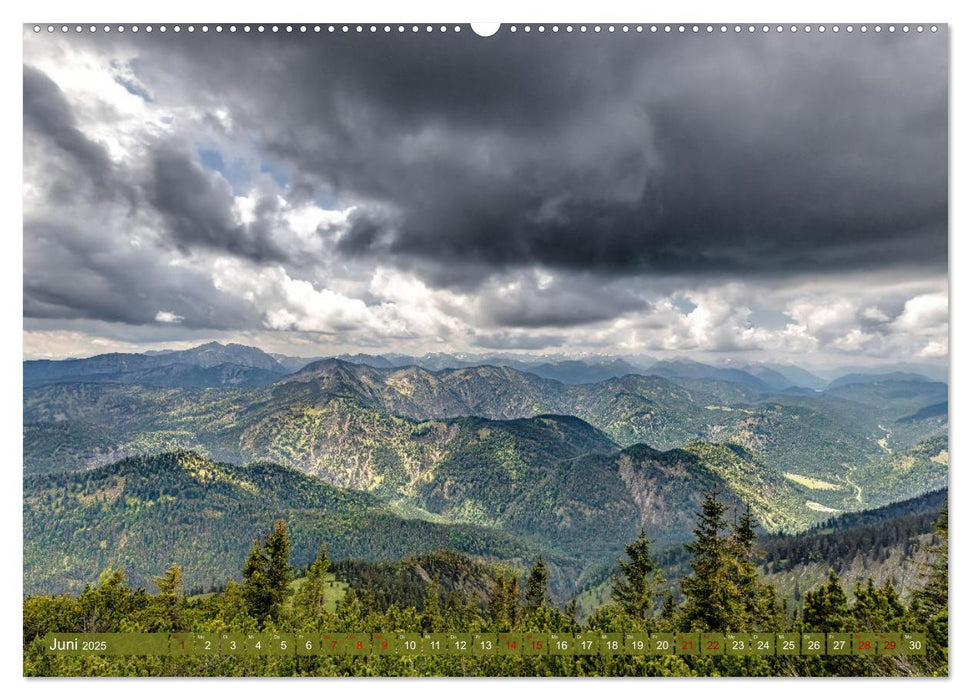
x=183 y=507
x=722 y=590
x=503 y=503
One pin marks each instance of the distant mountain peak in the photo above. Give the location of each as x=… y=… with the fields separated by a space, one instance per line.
x=866 y=378
x=209 y=364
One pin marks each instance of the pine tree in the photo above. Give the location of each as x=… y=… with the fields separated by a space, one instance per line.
x=168 y=603
x=512 y=601
x=669 y=610
x=713 y=601
x=279 y=573
x=743 y=533
x=825 y=609
x=103 y=607
x=349 y=612
x=497 y=610
x=536 y=583
x=759 y=600
x=877 y=609
x=635 y=588
x=257 y=591
x=929 y=605
x=431 y=617
x=453 y=617
x=311 y=599
x=569 y=617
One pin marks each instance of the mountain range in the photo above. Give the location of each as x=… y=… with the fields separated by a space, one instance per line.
x=483 y=454
x=212 y=364
x=239 y=362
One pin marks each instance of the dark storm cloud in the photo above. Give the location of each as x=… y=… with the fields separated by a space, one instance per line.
x=197 y=207
x=71 y=272
x=79 y=261
x=620 y=154
x=48 y=115
x=554 y=183
x=561 y=302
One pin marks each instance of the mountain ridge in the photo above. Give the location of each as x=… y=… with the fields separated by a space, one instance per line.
x=144 y=512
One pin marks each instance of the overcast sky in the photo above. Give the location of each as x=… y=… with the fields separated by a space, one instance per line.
x=764 y=197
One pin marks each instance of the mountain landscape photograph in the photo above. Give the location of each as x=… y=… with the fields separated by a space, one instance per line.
x=568 y=333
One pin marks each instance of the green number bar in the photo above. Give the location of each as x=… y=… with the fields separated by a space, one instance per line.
x=914 y=643
x=562 y=643
x=687 y=643
x=487 y=644
x=510 y=644
x=787 y=643
x=638 y=643
x=588 y=644
x=459 y=644
x=738 y=644
x=410 y=643
x=813 y=644
x=864 y=644
x=762 y=643
x=888 y=644
x=838 y=643
x=663 y=643
x=307 y=644
x=383 y=644
x=712 y=644
x=484 y=644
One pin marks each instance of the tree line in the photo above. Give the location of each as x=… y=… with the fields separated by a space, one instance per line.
x=723 y=592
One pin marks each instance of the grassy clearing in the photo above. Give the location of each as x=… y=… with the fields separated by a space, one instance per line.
x=819 y=507
x=810 y=483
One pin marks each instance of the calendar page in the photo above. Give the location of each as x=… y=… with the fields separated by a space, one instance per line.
x=548 y=349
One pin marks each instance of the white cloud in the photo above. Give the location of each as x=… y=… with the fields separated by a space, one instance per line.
x=923 y=313
x=823 y=320
x=303 y=230
x=168 y=317
x=934 y=349
x=847 y=319
x=289 y=304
